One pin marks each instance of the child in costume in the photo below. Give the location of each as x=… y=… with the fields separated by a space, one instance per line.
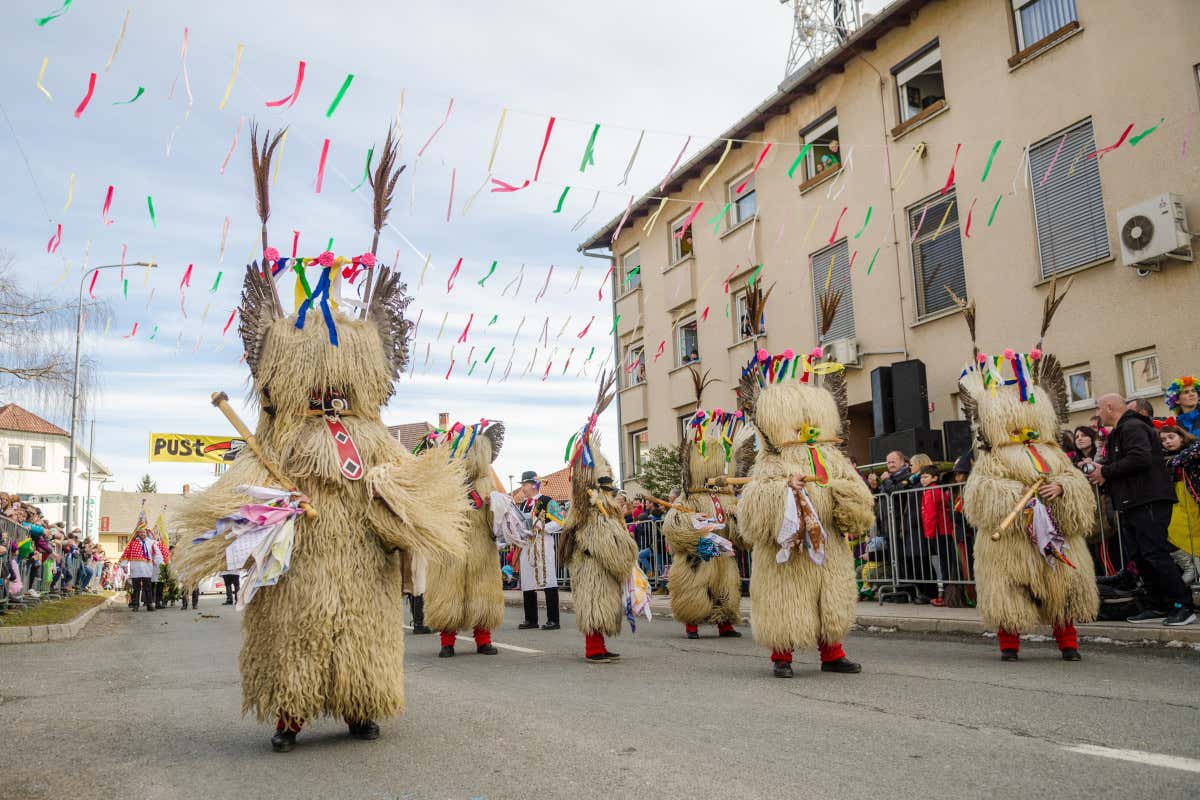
x=703 y=582
x=322 y=587
x=803 y=506
x=599 y=553
x=468 y=593
x=1031 y=506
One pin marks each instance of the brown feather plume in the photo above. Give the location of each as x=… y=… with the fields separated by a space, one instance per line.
x=383 y=183
x=830 y=300
x=1050 y=306
x=968 y=312
x=756 y=305
x=1051 y=378
x=700 y=383
x=260 y=169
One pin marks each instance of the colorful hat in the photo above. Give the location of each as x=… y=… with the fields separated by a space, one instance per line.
x=1021 y=368
x=1177 y=386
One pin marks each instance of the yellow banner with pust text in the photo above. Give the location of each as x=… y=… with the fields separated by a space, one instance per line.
x=191 y=448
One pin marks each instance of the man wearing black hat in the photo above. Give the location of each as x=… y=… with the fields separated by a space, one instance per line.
x=538 y=563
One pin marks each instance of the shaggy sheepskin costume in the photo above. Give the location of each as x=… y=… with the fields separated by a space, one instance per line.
x=799 y=598
x=469 y=594
x=1019 y=584
x=594 y=542
x=707 y=590
x=326 y=638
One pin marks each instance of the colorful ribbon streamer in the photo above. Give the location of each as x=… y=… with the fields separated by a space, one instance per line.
x=279 y=158
x=1053 y=160
x=108 y=196
x=942 y=224
x=537 y=171
x=237 y=60
x=742 y=186
x=437 y=130
x=321 y=166
x=688 y=221
x=561 y=199
x=187 y=83
x=337 y=99
x=586 y=328
x=216 y=283
x=495 y=139
x=873 y=257
x=866 y=222
x=70 y=192
x=92 y=285
x=674 y=164
x=717 y=166
x=462 y=337
x=504 y=186
x=995 y=206
x=120 y=38
x=291 y=99
x=953 y=163
x=624 y=218
x=604 y=282
x=224 y=235
x=836 y=225
x=132 y=333
x=140 y=91
x=1133 y=140
x=41 y=74
x=800 y=159
x=450 y=204
x=366 y=169
x=54 y=14
x=229 y=322
x=632 y=158
x=970 y=211
x=87 y=98
x=237 y=132
x=1103 y=151
x=715 y=222
x=453 y=275
x=991 y=156
x=589 y=155
x=483 y=280
x=150 y=205
x=545 y=285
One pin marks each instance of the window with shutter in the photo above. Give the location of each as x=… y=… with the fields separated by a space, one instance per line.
x=1068 y=209
x=831 y=266
x=937 y=253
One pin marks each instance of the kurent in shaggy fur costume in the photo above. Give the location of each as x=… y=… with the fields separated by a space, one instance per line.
x=804 y=503
x=1031 y=506
x=323 y=636
x=594 y=543
x=468 y=593
x=704 y=583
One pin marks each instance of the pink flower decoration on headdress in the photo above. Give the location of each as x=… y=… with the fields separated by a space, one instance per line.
x=816 y=353
x=789 y=353
x=1009 y=353
x=366 y=259
x=717 y=412
x=1035 y=354
x=981 y=358
x=270 y=254
x=738 y=414
x=763 y=355
x=325 y=259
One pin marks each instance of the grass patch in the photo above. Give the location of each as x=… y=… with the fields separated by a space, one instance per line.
x=54 y=612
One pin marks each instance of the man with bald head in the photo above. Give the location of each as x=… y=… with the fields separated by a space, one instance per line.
x=1137 y=480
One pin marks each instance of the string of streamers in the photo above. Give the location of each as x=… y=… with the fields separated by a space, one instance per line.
x=453 y=275
x=1103 y=151
x=674 y=164
x=496 y=140
x=224 y=236
x=970 y=211
x=920 y=224
x=132 y=333
x=366 y=169
x=237 y=60
x=688 y=221
x=579 y=223
x=649 y=226
x=463 y=336
x=836 y=225
x=54 y=14
x=874 y=256
x=291 y=99
x=561 y=199
x=742 y=186
x=140 y=91
x=108 y=198
x=150 y=206
x=437 y=130
x=632 y=158
x=545 y=285
x=92 y=285
x=120 y=38
x=799 y=159
x=717 y=166
x=1134 y=140
x=216 y=283
x=603 y=283
x=491 y=270
x=995 y=206
x=537 y=171
x=87 y=97
x=229 y=322
x=589 y=155
x=505 y=186
x=621 y=224
x=321 y=166
x=987 y=168
x=586 y=328
x=575 y=282
x=183 y=69
x=337 y=99
x=953 y=163
x=866 y=222
x=232 y=145
x=450 y=204
x=1053 y=160
x=41 y=74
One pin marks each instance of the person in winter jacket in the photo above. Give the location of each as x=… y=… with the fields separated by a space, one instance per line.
x=1141 y=489
x=937 y=522
x=1182 y=451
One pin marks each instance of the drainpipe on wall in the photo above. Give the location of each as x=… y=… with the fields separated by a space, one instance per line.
x=616 y=359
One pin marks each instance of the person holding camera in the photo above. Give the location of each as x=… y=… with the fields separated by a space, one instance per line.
x=1137 y=480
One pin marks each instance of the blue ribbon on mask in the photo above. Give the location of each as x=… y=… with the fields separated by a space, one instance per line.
x=321 y=291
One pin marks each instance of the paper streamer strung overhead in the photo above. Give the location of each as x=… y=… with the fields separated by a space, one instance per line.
x=1053 y=160
x=579 y=222
x=717 y=166
x=92 y=285
x=183 y=69
x=742 y=186
x=483 y=280
x=108 y=197
x=496 y=140
x=87 y=97
x=970 y=211
x=237 y=60
x=55 y=239
x=589 y=155
x=504 y=186
x=437 y=130
x=42 y=74
x=140 y=91
x=290 y=100
x=450 y=204
x=150 y=206
x=542 y=153
x=232 y=145
x=1103 y=151
x=674 y=164
x=561 y=199
x=54 y=14
x=120 y=38
x=229 y=322
x=836 y=225
x=621 y=224
x=338 y=97
x=632 y=158
x=366 y=170
x=991 y=157
x=545 y=285
x=950 y=177
x=688 y=221
x=321 y=166
x=224 y=234
x=453 y=275
x=1133 y=140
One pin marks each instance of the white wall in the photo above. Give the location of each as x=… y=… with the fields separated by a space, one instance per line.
x=51 y=478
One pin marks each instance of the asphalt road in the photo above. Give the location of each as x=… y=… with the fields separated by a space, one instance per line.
x=147 y=706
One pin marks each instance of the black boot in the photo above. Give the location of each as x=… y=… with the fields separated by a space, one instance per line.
x=1071 y=654
x=447 y=651
x=693 y=634
x=551 y=610
x=417 y=606
x=842 y=665
x=283 y=741
x=366 y=731
x=488 y=649
x=783 y=669
x=529 y=599
x=183 y=602
x=1008 y=655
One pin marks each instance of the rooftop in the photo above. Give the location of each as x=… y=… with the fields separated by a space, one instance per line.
x=122 y=508
x=410 y=434
x=15 y=418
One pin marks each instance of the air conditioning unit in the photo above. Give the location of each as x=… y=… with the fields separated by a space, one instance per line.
x=1154 y=230
x=844 y=351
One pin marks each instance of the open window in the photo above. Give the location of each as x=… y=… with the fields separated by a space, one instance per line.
x=631 y=270
x=919 y=83
x=743 y=204
x=687 y=343
x=635 y=364
x=681 y=246
x=744 y=327
x=825 y=155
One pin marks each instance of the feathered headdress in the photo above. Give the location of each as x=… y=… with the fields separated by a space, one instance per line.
x=461 y=438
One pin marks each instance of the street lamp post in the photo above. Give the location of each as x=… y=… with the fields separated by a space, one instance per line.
x=75 y=379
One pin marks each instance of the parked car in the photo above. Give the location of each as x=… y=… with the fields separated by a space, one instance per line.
x=213 y=584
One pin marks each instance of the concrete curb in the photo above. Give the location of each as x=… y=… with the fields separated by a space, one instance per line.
x=52 y=633
x=869 y=618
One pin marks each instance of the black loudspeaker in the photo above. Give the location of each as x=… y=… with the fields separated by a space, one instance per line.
x=957 y=433
x=909 y=442
x=881 y=400
x=910 y=395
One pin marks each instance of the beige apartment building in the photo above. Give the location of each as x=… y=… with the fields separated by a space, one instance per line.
x=919 y=87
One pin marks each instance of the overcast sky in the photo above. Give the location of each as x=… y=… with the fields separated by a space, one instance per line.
x=674 y=68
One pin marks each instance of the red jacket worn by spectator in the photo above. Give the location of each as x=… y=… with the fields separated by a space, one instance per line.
x=936 y=516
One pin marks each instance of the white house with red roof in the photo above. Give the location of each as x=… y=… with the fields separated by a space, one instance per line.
x=34 y=466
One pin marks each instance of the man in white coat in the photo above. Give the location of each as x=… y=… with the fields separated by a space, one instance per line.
x=539 y=565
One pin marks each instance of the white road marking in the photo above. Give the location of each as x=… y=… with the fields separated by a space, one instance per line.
x=500 y=645
x=1137 y=756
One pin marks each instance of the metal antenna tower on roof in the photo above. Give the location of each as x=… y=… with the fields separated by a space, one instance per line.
x=819 y=26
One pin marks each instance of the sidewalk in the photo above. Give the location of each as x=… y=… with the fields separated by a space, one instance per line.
x=889 y=617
